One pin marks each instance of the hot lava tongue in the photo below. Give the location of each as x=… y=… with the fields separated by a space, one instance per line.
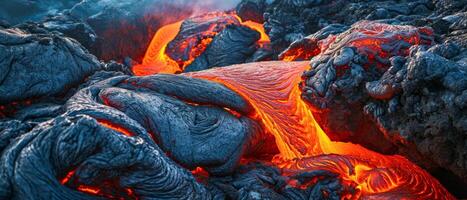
x=272 y=89
x=176 y=46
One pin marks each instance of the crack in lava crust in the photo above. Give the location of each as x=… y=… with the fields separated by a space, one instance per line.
x=272 y=89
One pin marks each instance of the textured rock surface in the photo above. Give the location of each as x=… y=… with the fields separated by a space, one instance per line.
x=428 y=108
x=73 y=127
x=233 y=45
x=20 y=11
x=36 y=65
x=291 y=20
x=413 y=100
x=139 y=120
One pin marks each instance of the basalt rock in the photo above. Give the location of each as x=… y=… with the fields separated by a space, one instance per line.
x=427 y=109
x=290 y=21
x=233 y=45
x=197 y=33
x=407 y=98
x=65 y=25
x=20 y=11
x=39 y=65
x=141 y=120
x=252 y=10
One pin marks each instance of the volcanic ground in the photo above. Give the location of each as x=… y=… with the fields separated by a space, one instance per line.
x=245 y=99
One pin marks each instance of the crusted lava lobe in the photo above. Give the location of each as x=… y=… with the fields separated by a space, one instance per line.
x=118 y=135
x=27 y=60
x=380 y=86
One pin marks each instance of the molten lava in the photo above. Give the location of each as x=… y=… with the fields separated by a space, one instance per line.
x=157 y=60
x=377 y=41
x=115 y=127
x=272 y=89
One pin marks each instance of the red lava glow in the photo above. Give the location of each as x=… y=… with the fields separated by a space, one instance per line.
x=272 y=89
x=97 y=191
x=67 y=177
x=115 y=127
x=368 y=38
x=89 y=189
x=156 y=60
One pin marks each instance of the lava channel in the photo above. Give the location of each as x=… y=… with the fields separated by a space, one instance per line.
x=272 y=89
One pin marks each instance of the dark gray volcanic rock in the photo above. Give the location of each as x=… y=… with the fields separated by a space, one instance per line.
x=233 y=45
x=37 y=65
x=251 y=10
x=414 y=107
x=138 y=120
x=65 y=25
x=291 y=20
x=428 y=111
x=125 y=28
x=18 y=11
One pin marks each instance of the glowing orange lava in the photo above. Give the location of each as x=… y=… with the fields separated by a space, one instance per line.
x=156 y=59
x=257 y=27
x=115 y=127
x=89 y=189
x=272 y=89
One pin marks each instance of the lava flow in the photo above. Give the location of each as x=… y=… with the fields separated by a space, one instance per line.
x=157 y=60
x=272 y=89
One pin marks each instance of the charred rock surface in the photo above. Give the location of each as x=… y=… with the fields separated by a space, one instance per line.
x=72 y=127
x=63 y=24
x=265 y=181
x=307 y=47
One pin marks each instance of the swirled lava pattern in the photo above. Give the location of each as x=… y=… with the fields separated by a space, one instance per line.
x=272 y=89
x=157 y=60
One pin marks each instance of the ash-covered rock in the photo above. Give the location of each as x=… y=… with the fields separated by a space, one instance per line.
x=38 y=65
